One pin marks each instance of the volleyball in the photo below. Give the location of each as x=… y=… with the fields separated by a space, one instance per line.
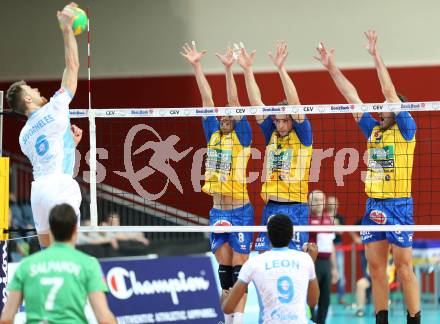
x=80 y=21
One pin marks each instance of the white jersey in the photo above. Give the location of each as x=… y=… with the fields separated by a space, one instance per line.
x=281 y=277
x=46 y=138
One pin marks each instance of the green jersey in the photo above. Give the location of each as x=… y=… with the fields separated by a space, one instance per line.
x=55 y=283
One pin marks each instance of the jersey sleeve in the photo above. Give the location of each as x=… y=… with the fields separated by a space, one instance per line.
x=311 y=266
x=17 y=281
x=95 y=278
x=268 y=127
x=246 y=272
x=367 y=123
x=304 y=131
x=210 y=126
x=61 y=100
x=244 y=131
x=406 y=124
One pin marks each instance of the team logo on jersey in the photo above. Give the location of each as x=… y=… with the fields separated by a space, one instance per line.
x=41 y=145
x=378 y=217
x=221 y=222
x=377 y=136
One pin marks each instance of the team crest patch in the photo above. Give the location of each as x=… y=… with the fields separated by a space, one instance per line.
x=378 y=217
x=222 y=222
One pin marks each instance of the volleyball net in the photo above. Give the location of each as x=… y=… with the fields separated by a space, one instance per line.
x=147 y=165
x=151 y=162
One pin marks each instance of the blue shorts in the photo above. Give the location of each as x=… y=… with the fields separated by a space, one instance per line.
x=393 y=211
x=299 y=215
x=239 y=242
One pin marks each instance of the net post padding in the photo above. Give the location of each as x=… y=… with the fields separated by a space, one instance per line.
x=1 y=123
x=4 y=198
x=4 y=224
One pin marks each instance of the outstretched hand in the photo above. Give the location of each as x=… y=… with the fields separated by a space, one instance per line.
x=191 y=54
x=325 y=56
x=66 y=16
x=371 y=47
x=280 y=55
x=245 y=59
x=311 y=249
x=228 y=58
x=76 y=133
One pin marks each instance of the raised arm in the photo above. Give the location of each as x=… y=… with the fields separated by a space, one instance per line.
x=313 y=290
x=70 y=75
x=344 y=86
x=278 y=60
x=194 y=58
x=245 y=60
x=227 y=60
x=386 y=83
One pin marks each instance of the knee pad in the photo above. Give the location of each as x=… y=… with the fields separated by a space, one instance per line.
x=225 y=273
x=235 y=273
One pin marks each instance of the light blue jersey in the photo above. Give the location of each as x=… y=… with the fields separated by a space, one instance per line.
x=46 y=138
x=281 y=277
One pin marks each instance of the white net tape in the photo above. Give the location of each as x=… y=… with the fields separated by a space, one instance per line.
x=229 y=229
x=253 y=110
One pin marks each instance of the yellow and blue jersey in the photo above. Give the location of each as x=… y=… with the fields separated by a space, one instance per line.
x=390 y=156
x=287 y=161
x=227 y=159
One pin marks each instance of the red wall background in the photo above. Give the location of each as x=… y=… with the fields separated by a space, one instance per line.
x=329 y=131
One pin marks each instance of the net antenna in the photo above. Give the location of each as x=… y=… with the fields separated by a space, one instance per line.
x=92 y=134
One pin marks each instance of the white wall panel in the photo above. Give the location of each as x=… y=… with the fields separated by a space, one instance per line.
x=143 y=37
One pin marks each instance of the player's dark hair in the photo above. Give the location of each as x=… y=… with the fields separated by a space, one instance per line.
x=402 y=97
x=62 y=222
x=280 y=230
x=14 y=97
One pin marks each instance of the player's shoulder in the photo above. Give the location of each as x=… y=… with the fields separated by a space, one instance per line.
x=27 y=261
x=301 y=256
x=22 y=132
x=62 y=92
x=257 y=259
x=62 y=97
x=83 y=257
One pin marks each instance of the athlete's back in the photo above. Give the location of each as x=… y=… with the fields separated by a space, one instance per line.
x=56 y=282
x=281 y=277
